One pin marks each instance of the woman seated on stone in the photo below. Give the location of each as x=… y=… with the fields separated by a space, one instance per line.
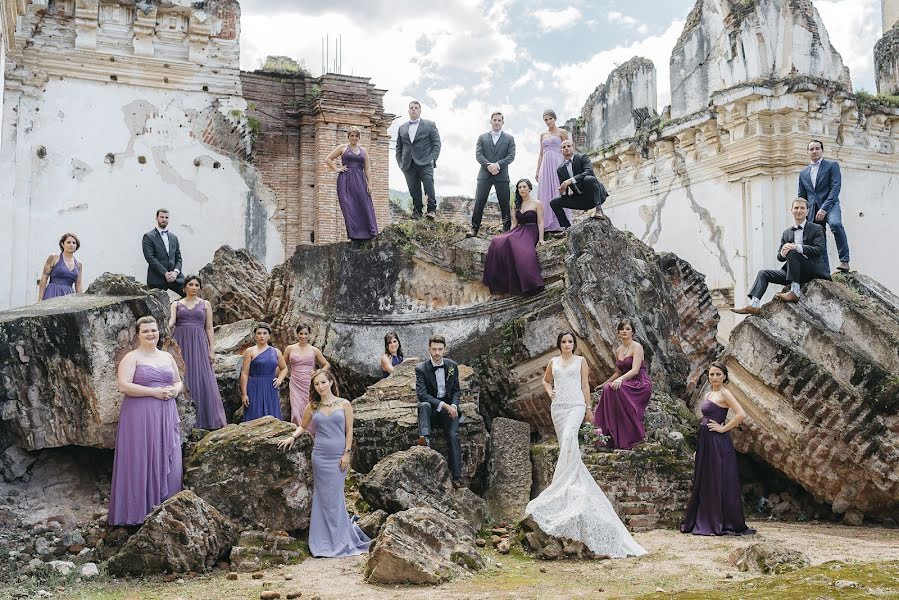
x=62 y=272
x=625 y=394
x=146 y=469
x=716 y=505
x=262 y=372
x=393 y=354
x=331 y=532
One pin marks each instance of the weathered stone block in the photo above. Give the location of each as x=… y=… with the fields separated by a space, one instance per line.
x=509 y=477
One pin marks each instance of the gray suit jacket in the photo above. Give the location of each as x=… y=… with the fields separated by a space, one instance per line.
x=423 y=151
x=502 y=154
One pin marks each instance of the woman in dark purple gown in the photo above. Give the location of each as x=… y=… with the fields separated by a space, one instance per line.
x=625 y=394
x=192 y=319
x=354 y=187
x=146 y=469
x=331 y=531
x=62 y=273
x=511 y=266
x=716 y=505
x=262 y=373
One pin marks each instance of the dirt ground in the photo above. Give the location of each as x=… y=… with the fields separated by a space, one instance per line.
x=675 y=562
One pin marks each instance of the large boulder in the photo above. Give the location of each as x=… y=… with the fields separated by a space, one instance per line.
x=819 y=380
x=422 y=546
x=419 y=477
x=240 y=470
x=58 y=362
x=236 y=284
x=509 y=470
x=182 y=534
x=385 y=420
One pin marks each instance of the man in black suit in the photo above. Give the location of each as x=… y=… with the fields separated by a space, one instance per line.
x=437 y=388
x=417 y=150
x=579 y=188
x=494 y=151
x=163 y=255
x=801 y=251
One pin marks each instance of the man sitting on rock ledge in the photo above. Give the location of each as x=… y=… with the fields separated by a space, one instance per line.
x=802 y=251
x=438 y=392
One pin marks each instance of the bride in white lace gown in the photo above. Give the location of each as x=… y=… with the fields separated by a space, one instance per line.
x=573 y=506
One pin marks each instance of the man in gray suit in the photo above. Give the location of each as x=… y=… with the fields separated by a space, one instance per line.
x=417 y=150
x=494 y=151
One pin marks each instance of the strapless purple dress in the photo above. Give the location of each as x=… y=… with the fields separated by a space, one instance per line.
x=190 y=333
x=716 y=505
x=62 y=280
x=355 y=201
x=511 y=266
x=620 y=412
x=146 y=469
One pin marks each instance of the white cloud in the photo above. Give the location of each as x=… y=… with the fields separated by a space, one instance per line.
x=557 y=20
x=854 y=27
x=619 y=18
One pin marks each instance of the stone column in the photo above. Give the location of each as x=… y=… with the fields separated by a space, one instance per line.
x=886 y=50
x=889 y=12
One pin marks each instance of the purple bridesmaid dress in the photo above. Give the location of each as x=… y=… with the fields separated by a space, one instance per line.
x=331 y=532
x=190 y=333
x=511 y=266
x=62 y=280
x=146 y=469
x=716 y=506
x=355 y=201
x=620 y=412
x=548 y=186
x=263 y=395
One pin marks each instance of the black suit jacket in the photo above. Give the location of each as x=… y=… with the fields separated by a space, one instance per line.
x=582 y=167
x=423 y=151
x=501 y=153
x=812 y=248
x=160 y=262
x=426 y=383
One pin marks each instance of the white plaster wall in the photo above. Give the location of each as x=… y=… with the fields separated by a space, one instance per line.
x=110 y=206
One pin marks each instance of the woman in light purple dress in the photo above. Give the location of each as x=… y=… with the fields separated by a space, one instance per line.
x=301 y=359
x=547 y=178
x=62 y=273
x=354 y=187
x=625 y=394
x=146 y=469
x=262 y=373
x=511 y=266
x=192 y=319
x=716 y=505
x=331 y=531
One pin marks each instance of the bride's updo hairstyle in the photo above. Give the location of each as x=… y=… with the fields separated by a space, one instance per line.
x=559 y=340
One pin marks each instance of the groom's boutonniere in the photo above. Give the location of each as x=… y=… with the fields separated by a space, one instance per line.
x=450 y=372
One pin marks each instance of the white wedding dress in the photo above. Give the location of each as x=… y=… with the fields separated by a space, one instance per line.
x=573 y=506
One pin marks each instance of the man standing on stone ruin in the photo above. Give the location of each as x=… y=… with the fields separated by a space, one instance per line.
x=801 y=251
x=494 y=151
x=163 y=255
x=820 y=183
x=417 y=150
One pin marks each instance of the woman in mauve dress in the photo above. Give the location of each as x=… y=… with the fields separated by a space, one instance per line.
x=547 y=163
x=191 y=318
x=331 y=531
x=146 y=469
x=62 y=273
x=716 y=505
x=354 y=187
x=301 y=359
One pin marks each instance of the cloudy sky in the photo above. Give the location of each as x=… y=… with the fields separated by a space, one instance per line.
x=464 y=59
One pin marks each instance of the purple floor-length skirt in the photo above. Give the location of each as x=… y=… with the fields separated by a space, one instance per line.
x=548 y=186
x=716 y=505
x=190 y=333
x=355 y=201
x=146 y=469
x=264 y=399
x=511 y=266
x=331 y=532
x=62 y=280
x=620 y=412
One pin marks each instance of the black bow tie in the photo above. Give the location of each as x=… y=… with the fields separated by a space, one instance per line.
x=439 y=367
x=797 y=228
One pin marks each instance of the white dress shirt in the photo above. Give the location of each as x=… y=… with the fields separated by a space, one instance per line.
x=495 y=135
x=814 y=172
x=413 y=129
x=440 y=376
x=797 y=237
x=572 y=189
x=164 y=233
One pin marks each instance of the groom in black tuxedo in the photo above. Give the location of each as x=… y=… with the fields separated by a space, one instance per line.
x=163 y=255
x=438 y=391
x=579 y=188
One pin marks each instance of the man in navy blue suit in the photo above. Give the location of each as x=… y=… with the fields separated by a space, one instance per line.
x=820 y=183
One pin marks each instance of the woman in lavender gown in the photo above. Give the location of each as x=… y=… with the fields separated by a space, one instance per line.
x=301 y=359
x=716 y=505
x=354 y=187
x=263 y=371
x=146 y=469
x=393 y=354
x=191 y=318
x=549 y=160
x=625 y=394
x=62 y=273
x=331 y=531
x=511 y=266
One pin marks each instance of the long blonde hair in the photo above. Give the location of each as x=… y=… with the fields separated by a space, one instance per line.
x=315 y=398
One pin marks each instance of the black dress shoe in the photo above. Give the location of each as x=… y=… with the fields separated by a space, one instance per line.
x=431 y=214
x=472 y=233
x=416 y=216
x=457 y=484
